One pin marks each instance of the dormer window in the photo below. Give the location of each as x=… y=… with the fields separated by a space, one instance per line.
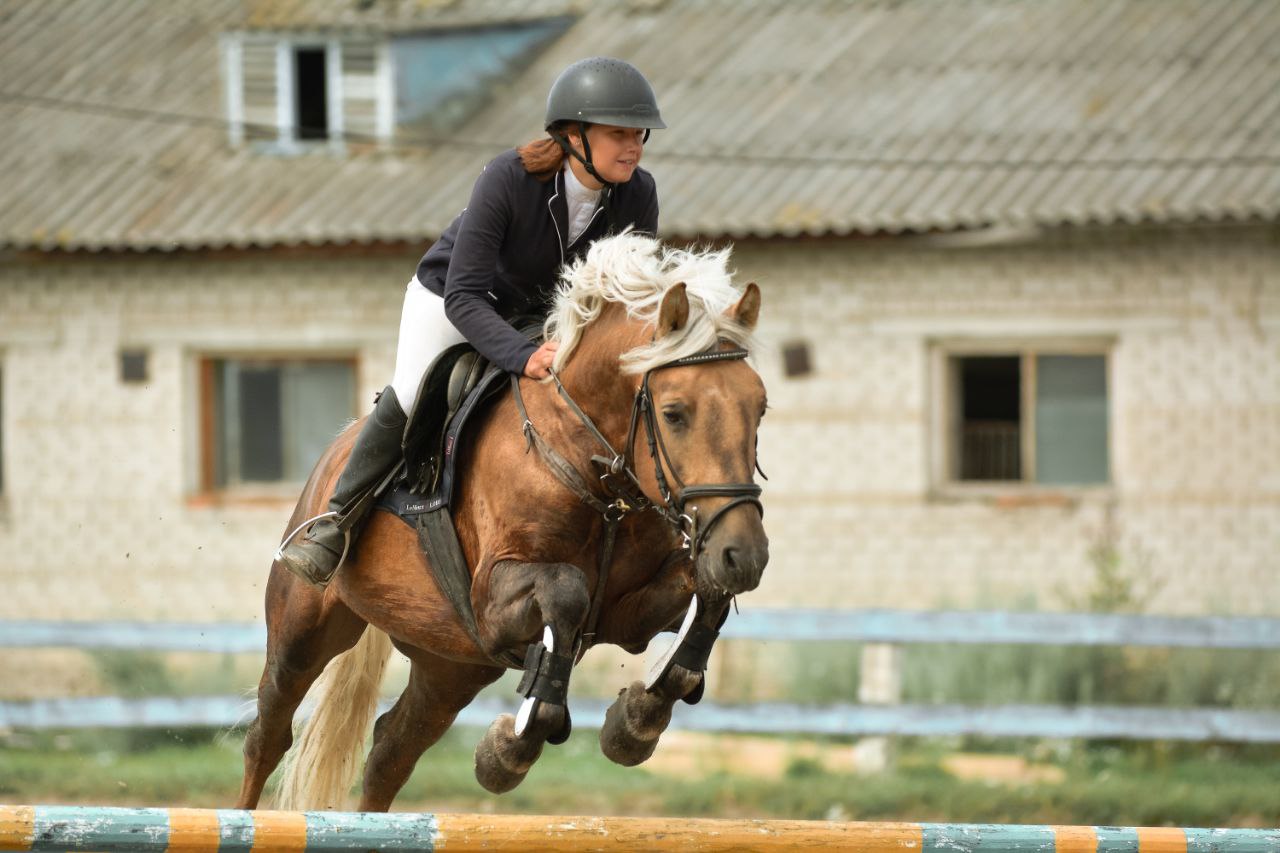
x=293 y=91
x=289 y=93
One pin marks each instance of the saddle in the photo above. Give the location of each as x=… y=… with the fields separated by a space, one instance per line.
x=458 y=384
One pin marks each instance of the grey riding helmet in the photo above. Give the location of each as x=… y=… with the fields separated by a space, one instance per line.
x=601 y=90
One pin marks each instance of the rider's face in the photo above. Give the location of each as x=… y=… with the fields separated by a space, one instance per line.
x=615 y=151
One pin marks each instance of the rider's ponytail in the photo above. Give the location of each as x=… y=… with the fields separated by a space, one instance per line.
x=542 y=157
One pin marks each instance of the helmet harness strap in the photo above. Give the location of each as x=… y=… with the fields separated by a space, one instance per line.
x=585 y=159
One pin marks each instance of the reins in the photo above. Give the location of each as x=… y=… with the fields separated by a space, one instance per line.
x=623 y=486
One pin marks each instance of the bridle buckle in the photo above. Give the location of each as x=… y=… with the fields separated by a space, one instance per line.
x=616 y=511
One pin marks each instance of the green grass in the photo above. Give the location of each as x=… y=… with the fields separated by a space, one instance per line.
x=819 y=673
x=1171 y=677
x=1126 y=784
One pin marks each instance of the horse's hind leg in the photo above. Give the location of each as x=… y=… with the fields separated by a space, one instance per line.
x=305 y=630
x=526 y=602
x=641 y=713
x=438 y=689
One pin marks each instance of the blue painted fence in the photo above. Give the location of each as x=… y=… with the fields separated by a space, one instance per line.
x=797 y=624
x=864 y=626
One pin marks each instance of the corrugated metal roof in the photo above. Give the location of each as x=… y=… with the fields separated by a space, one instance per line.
x=392 y=15
x=787 y=117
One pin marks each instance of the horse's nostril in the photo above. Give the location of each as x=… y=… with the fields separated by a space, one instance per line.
x=730 y=562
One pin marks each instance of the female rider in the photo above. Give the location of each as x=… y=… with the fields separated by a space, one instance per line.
x=531 y=210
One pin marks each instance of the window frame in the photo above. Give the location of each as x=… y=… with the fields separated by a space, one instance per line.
x=286 y=140
x=944 y=422
x=206 y=486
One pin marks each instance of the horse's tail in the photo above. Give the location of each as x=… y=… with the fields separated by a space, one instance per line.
x=320 y=769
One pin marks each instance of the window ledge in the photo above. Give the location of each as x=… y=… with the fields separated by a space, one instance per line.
x=296 y=148
x=266 y=497
x=1022 y=495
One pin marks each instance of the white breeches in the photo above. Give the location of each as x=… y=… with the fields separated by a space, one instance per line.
x=425 y=332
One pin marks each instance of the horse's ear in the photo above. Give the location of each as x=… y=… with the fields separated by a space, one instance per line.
x=674 y=312
x=747 y=310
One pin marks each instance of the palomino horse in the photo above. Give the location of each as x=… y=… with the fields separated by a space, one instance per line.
x=651 y=356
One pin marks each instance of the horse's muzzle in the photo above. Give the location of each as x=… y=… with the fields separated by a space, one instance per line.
x=743 y=567
x=735 y=553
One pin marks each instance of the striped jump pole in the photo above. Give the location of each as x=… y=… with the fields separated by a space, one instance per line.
x=49 y=828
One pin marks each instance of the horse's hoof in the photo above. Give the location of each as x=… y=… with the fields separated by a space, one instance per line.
x=619 y=741
x=499 y=765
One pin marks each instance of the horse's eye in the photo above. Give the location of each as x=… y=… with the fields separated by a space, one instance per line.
x=673 y=416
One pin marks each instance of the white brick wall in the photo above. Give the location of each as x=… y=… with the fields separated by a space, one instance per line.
x=100 y=516
x=1195 y=507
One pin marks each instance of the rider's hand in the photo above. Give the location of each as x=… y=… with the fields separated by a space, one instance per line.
x=539 y=364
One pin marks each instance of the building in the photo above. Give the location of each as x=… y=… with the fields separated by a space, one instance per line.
x=1020 y=264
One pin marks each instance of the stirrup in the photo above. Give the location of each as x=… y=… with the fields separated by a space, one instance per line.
x=346 y=538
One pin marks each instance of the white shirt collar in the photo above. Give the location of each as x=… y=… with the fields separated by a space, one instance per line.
x=578 y=191
x=581 y=203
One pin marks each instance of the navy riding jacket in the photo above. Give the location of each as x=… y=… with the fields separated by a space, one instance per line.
x=501 y=257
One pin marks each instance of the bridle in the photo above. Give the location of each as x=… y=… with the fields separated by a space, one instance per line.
x=674 y=508
x=618 y=468
x=619 y=479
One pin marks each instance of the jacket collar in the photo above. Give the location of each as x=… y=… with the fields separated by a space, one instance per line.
x=558 y=209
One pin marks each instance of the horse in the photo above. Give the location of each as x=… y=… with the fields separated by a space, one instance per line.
x=651 y=362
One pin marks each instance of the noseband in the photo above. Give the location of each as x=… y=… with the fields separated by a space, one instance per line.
x=619 y=478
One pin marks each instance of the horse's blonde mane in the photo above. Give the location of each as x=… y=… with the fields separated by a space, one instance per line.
x=636 y=271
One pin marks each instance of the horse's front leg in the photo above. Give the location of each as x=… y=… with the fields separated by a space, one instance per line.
x=545 y=606
x=642 y=711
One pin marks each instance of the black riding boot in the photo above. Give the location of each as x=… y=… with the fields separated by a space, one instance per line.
x=315 y=557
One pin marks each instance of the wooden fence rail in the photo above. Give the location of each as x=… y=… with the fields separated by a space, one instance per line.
x=880 y=712
x=49 y=828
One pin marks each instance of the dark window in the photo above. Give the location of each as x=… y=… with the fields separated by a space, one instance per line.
x=268 y=420
x=796 y=360
x=311 y=93
x=991 y=423
x=1031 y=417
x=133 y=366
